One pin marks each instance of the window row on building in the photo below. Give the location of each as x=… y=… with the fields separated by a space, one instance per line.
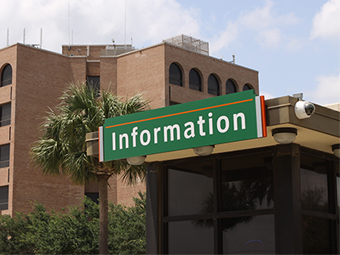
x=4 y=162
x=195 y=81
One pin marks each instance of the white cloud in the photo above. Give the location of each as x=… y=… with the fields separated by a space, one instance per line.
x=327 y=90
x=95 y=21
x=269 y=37
x=263 y=21
x=326 y=23
x=224 y=38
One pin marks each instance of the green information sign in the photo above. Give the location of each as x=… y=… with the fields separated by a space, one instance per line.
x=222 y=119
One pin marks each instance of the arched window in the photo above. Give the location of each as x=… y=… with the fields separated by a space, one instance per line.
x=195 y=80
x=230 y=87
x=213 y=85
x=175 y=75
x=247 y=87
x=6 y=75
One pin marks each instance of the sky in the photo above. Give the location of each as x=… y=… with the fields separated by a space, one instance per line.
x=295 y=45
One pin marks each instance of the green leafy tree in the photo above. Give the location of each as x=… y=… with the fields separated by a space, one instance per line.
x=127 y=228
x=12 y=234
x=62 y=147
x=75 y=231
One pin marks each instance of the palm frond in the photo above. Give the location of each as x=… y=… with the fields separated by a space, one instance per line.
x=131 y=173
x=62 y=146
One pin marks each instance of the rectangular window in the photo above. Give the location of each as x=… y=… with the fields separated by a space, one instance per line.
x=94 y=196
x=4 y=198
x=93 y=82
x=248 y=235
x=188 y=237
x=4 y=155
x=5 y=114
x=220 y=204
x=190 y=188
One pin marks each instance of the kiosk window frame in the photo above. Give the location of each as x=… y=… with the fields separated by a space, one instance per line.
x=214 y=219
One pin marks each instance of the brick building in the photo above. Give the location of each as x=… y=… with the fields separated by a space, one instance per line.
x=175 y=71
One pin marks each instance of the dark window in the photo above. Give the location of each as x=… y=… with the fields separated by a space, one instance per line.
x=247 y=87
x=93 y=82
x=4 y=198
x=337 y=171
x=195 y=80
x=189 y=188
x=314 y=183
x=213 y=85
x=245 y=188
x=316 y=234
x=201 y=216
x=5 y=115
x=94 y=196
x=318 y=201
x=314 y=190
x=4 y=155
x=255 y=235
x=175 y=75
x=230 y=87
x=185 y=237
x=6 y=76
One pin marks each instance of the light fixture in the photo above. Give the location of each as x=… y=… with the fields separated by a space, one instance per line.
x=136 y=161
x=204 y=150
x=336 y=149
x=284 y=135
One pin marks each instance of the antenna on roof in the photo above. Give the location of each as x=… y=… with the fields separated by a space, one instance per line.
x=7 y=36
x=24 y=39
x=40 y=37
x=125 y=24
x=68 y=16
x=233 y=61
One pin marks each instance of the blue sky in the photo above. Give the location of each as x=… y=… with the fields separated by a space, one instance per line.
x=295 y=45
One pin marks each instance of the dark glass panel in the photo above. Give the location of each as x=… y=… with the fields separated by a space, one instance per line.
x=93 y=82
x=230 y=87
x=337 y=171
x=195 y=80
x=245 y=188
x=256 y=235
x=5 y=115
x=175 y=75
x=314 y=189
x=190 y=188
x=316 y=235
x=314 y=185
x=247 y=87
x=4 y=155
x=4 y=198
x=213 y=85
x=185 y=237
x=6 y=76
x=93 y=196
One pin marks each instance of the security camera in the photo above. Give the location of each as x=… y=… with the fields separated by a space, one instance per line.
x=304 y=109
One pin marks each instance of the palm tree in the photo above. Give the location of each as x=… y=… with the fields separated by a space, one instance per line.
x=62 y=147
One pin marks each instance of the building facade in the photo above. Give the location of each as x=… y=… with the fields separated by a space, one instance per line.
x=33 y=79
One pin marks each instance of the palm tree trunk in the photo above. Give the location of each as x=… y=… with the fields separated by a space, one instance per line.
x=103 y=214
